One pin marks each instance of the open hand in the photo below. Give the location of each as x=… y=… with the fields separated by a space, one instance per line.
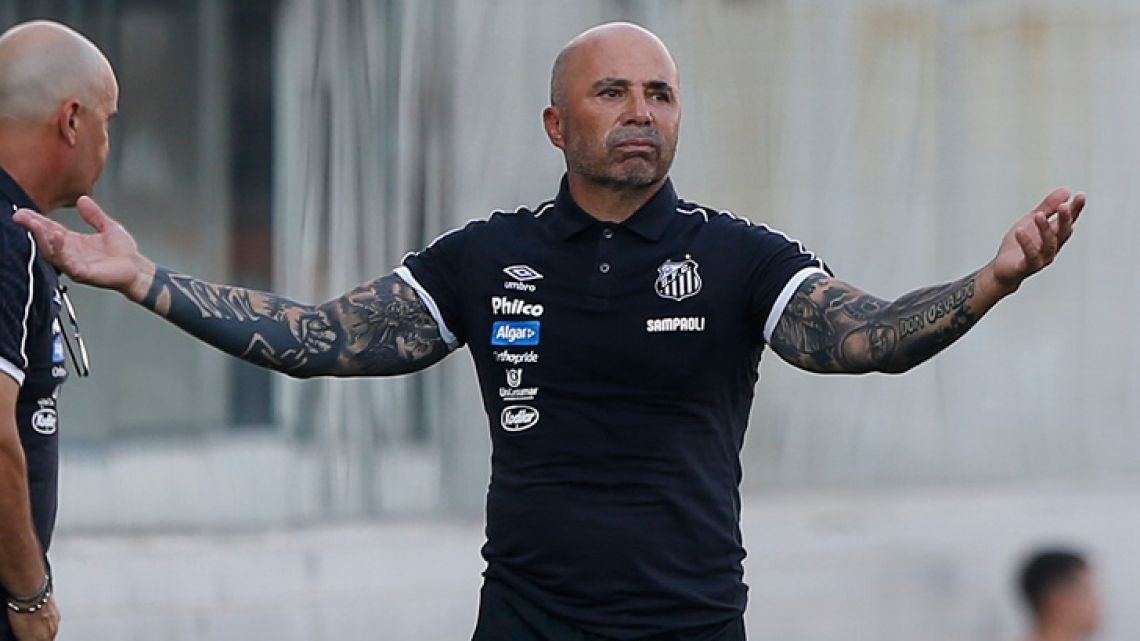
x=1036 y=238
x=107 y=258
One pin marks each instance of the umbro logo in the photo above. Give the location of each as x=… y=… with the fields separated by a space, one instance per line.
x=522 y=272
x=522 y=275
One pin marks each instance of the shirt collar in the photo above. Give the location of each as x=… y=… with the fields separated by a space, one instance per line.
x=14 y=192
x=649 y=222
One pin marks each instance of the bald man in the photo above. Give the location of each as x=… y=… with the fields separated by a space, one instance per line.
x=616 y=331
x=57 y=95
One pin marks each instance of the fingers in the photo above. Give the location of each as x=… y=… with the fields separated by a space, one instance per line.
x=32 y=220
x=1030 y=249
x=93 y=214
x=1060 y=211
x=1067 y=214
x=1063 y=225
x=48 y=233
x=1055 y=199
x=1078 y=204
x=1048 y=233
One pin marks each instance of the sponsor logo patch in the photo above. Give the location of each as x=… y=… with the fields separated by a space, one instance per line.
x=516 y=394
x=516 y=418
x=675 y=324
x=514 y=391
x=57 y=356
x=507 y=306
x=520 y=333
x=45 y=421
x=678 y=279
x=514 y=358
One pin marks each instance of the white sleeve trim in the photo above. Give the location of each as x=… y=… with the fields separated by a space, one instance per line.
x=405 y=274
x=8 y=368
x=790 y=288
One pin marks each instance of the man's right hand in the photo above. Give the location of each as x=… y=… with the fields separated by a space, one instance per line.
x=36 y=626
x=108 y=258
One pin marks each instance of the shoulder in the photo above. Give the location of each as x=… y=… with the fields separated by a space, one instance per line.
x=495 y=223
x=726 y=222
x=16 y=244
x=521 y=216
x=457 y=243
x=744 y=239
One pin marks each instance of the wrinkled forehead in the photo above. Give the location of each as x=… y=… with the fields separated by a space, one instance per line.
x=634 y=57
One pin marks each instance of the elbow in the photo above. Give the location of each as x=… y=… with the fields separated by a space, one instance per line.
x=300 y=374
x=895 y=368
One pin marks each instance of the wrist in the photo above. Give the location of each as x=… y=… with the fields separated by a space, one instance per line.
x=989 y=281
x=32 y=603
x=139 y=287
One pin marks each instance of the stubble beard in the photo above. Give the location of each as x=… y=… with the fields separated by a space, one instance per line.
x=632 y=172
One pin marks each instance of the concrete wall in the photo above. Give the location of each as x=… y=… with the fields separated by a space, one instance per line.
x=883 y=566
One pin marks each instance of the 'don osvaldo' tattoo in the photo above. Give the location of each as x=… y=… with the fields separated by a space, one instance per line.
x=830 y=326
x=378 y=328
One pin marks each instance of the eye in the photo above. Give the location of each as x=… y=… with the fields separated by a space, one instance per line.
x=662 y=96
x=611 y=92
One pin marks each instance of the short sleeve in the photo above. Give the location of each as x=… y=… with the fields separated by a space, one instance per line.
x=435 y=273
x=779 y=266
x=17 y=274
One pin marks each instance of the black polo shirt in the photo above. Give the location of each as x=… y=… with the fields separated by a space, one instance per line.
x=31 y=352
x=617 y=364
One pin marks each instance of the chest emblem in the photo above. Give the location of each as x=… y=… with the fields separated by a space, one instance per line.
x=678 y=279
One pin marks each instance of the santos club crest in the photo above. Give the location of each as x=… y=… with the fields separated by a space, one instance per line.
x=678 y=279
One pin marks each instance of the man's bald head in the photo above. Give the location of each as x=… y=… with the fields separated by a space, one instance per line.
x=612 y=35
x=43 y=64
x=615 y=110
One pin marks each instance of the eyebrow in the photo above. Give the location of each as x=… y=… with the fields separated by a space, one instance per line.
x=659 y=85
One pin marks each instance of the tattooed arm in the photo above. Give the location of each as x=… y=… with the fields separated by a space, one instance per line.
x=832 y=327
x=378 y=328
x=829 y=326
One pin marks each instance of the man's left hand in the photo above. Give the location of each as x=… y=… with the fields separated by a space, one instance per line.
x=1035 y=239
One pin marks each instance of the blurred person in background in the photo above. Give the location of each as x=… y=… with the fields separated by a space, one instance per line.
x=1059 y=587
x=616 y=330
x=57 y=96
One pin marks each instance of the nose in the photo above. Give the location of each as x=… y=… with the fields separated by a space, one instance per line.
x=637 y=110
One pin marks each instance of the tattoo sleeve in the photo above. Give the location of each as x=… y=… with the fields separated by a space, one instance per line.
x=379 y=328
x=829 y=326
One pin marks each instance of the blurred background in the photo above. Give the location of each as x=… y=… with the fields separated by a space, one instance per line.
x=306 y=145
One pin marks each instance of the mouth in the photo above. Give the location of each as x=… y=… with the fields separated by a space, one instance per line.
x=637 y=146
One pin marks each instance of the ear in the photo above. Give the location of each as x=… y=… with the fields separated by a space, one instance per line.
x=552 y=122
x=68 y=121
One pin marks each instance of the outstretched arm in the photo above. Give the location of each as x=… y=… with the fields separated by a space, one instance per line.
x=379 y=328
x=830 y=326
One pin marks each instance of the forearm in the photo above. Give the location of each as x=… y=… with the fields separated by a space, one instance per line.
x=379 y=328
x=266 y=330
x=832 y=327
x=21 y=558
x=929 y=320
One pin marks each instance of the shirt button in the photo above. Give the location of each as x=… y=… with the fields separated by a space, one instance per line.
x=607 y=233
x=604 y=268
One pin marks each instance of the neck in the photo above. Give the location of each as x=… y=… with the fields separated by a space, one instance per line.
x=610 y=204
x=24 y=161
